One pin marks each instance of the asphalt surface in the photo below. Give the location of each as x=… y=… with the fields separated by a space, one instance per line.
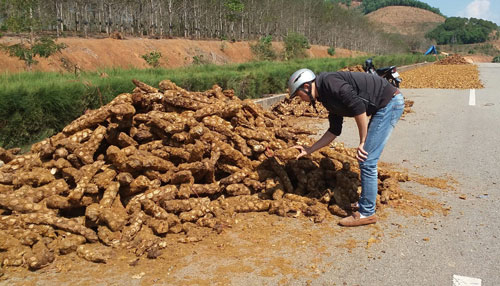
x=444 y=136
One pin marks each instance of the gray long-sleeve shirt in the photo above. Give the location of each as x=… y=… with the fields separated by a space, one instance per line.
x=350 y=94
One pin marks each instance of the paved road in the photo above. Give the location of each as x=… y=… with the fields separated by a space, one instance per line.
x=445 y=135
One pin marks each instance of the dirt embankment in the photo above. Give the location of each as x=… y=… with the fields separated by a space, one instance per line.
x=95 y=54
x=406 y=20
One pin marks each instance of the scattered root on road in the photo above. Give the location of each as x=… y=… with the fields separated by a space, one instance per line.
x=163 y=163
x=453 y=72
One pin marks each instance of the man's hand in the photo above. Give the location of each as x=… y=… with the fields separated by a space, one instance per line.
x=303 y=151
x=361 y=154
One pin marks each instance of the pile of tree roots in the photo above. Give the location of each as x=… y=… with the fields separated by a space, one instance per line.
x=160 y=162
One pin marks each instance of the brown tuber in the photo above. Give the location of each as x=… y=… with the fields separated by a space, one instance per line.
x=160 y=162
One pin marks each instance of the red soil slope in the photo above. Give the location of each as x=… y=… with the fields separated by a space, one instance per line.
x=97 y=54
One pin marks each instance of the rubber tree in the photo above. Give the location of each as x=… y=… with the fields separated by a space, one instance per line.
x=21 y=20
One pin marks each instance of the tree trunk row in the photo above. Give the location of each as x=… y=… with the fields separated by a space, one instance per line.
x=322 y=22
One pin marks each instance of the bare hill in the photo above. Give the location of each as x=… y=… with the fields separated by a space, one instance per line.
x=406 y=20
x=96 y=54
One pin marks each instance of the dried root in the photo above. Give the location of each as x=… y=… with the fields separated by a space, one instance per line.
x=159 y=162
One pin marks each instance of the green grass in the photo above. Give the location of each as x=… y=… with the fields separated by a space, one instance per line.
x=36 y=105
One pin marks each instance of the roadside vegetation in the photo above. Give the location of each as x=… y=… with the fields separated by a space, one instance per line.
x=295 y=46
x=152 y=58
x=263 y=49
x=35 y=105
x=331 y=51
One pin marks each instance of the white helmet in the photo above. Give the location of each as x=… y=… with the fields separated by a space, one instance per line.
x=298 y=78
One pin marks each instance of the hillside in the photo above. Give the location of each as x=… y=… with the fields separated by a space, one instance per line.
x=97 y=54
x=497 y=44
x=406 y=20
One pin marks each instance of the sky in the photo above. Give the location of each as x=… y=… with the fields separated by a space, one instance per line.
x=482 y=9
